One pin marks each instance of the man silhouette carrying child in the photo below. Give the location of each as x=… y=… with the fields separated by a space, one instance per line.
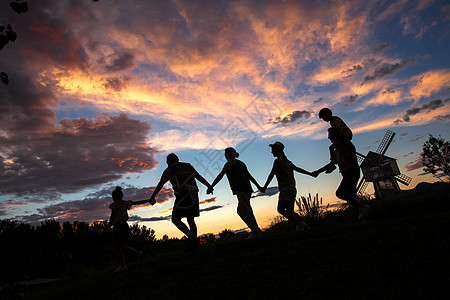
x=343 y=152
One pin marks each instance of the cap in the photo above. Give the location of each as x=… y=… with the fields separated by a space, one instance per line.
x=278 y=145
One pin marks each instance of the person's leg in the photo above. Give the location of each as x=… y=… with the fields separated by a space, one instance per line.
x=120 y=254
x=347 y=191
x=181 y=226
x=245 y=211
x=286 y=208
x=192 y=226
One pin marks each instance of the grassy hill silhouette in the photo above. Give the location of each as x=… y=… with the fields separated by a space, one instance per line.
x=401 y=252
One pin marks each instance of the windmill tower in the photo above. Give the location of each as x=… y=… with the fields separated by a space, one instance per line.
x=381 y=170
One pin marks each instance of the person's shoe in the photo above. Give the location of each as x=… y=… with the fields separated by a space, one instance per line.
x=363 y=212
x=121 y=269
x=302 y=227
x=330 y=169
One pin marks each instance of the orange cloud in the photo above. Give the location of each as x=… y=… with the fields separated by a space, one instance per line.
x=430 y=82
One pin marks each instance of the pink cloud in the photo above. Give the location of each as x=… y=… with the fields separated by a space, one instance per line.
x=414 y=165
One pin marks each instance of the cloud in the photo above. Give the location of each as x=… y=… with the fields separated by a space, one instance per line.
x=292 y=117
x=214 y=207
x=347 y=100
x=429 y=83
x=75 y=154
x=414 y=165
x=318 y=100
x=380 y=48
x=210 y=200
x=270 y=191
x=432 y=105
x=443 y=117
x=387 y=69
x=120 y=60
x=116 y=84
x=93 y=207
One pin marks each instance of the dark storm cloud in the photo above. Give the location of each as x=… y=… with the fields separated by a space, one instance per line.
x=432 y=105
x=74 y=155
x=347 y=100
x=94 y=207
x=380 y=48
x=293 y=117
x=387 y=69
x=120 y=60
x=47 y=37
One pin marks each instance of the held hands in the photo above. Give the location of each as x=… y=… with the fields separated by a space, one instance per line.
x=210 y=190
x=315 y=173
x=262 y=189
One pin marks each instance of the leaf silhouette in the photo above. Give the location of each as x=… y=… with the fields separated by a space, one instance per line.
x=2 y=28
x=16 y=7
x=11 y=35
x=19 y=7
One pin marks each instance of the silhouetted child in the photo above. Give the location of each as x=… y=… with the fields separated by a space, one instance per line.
x=344 y=133
x=121 y=230
x=345 y=156
x=239 y=179
x=284 y=169
x=182 y=176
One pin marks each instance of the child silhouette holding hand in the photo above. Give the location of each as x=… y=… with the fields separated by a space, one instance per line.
x=121 y=230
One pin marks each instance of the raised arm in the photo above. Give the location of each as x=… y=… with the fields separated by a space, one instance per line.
x=139 y=202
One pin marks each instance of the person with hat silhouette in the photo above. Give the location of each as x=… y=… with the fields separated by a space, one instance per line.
x=284 y=169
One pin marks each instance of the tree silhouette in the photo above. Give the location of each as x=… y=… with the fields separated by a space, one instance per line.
x=436 y=157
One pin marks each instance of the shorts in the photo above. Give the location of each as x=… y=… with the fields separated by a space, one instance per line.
x=121 y=232
x=349 y=182
x=186 y=204
x=288 y=193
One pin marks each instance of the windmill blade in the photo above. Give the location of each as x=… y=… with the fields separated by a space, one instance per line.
x=406 y=180
x=385 y=142
x=360 y=157
x=362 y=186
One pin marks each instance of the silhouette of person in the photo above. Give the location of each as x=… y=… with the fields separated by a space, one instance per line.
x=344 y=154
x=121 y=230
x=345 y=134
x=182 y=177
x=239 y=179
x=284 y=169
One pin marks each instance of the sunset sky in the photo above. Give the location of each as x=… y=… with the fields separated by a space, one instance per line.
x=101 y=92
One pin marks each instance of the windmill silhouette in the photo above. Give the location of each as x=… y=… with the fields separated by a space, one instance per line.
x=381 y=170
